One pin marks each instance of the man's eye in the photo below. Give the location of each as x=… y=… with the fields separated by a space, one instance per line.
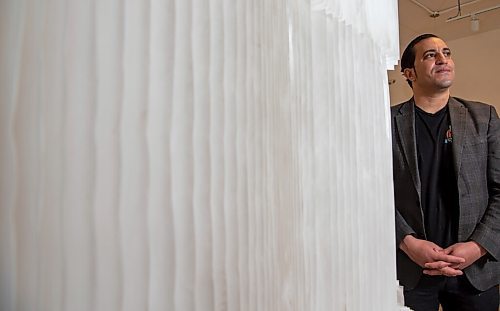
x=447 y=53
x=429 y=55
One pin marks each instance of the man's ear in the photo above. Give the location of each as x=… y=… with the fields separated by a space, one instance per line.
x=409 y=73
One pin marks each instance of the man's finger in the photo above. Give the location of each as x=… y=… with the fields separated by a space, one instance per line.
x=448 y=258
x=446 y=271
x=456 y=266
x=437 y=264
x=432 y=272
x=451 y=272
x=447 y=251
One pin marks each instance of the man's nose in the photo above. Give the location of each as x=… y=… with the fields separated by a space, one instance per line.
x=441 y=58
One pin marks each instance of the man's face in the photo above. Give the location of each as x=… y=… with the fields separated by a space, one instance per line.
x=434 y=69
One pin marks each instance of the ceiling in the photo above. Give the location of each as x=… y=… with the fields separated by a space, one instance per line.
x=415 y=20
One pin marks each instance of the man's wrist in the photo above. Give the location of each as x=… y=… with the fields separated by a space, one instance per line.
x=481 y=249
x=404 y=242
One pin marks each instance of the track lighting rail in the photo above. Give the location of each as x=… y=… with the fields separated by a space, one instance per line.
x=434 y=13
x=473 y=14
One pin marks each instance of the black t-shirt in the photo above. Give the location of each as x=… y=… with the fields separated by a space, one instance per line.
x=437 y=176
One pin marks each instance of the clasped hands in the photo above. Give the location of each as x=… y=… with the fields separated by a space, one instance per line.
x=435 y=260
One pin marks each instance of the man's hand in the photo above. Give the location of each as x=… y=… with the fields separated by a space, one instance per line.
x=469 y=251
x=424 y=252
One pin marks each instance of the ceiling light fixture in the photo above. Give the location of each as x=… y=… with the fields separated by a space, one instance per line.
x=474 y=23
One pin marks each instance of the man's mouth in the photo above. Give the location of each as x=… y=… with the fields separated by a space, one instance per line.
x=443 y=70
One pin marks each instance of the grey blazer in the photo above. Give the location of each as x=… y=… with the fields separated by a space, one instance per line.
x=476 y=152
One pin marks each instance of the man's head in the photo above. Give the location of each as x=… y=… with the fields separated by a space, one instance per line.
x=426 y=63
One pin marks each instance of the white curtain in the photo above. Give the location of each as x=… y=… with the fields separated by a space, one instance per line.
x=196 y=155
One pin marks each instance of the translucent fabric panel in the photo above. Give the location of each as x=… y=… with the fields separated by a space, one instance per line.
x=196 y=155
x=373 y=18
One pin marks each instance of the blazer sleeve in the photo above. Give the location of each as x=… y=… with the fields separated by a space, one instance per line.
x=487 y=232
x=402 y=229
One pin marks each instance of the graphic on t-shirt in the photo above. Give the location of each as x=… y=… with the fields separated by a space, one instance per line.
x=449 y=136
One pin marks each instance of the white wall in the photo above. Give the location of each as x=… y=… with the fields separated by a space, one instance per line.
x=477 y=69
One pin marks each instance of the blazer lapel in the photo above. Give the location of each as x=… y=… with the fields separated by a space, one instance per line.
x=405 y=123
x=458 y=119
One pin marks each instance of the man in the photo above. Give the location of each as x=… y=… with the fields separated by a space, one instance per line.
x=446 y=154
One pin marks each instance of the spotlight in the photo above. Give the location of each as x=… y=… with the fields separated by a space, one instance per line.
x=474 y=23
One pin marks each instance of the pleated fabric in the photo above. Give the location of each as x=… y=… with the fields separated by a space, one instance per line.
x=196 y=155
